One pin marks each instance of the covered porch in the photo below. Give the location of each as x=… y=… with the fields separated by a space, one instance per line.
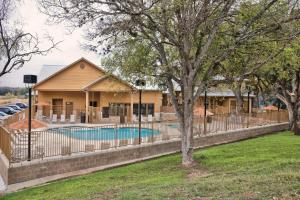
x=109 y=107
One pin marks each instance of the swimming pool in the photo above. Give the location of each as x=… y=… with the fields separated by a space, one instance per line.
x=105 y=133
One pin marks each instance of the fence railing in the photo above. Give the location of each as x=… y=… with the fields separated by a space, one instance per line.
x=65 y=141
x=5 y=142
x=233 y=121
x=16 y=117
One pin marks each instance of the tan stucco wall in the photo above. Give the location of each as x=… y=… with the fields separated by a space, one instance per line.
x=78 y=98
x=73 y=78
x=103 y=98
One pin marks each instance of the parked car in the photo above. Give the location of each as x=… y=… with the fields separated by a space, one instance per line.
x=8 y=110
x=22 y=105
x=3 y=116
x=15 y=107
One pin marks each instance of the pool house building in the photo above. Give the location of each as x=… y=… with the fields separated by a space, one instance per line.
x=84 y=92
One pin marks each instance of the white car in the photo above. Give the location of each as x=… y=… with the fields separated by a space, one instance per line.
x=3 y=116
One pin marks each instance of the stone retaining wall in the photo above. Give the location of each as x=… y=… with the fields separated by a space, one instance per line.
x=53 y=166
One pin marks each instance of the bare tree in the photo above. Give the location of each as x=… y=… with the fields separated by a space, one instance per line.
x=16 y=46
x=185 y=34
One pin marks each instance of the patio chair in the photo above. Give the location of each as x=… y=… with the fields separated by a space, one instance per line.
x=72 y=119
x=62 y=118
x=143 y=119
x=134 y=118
x=21 y=137
x=54 y=118
x=150 y=118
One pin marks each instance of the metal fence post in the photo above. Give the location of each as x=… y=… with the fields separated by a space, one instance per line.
x=152 y=123
x=70 y=142
x=116 y=135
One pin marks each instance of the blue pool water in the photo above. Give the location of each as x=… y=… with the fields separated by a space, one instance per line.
x=106 y=133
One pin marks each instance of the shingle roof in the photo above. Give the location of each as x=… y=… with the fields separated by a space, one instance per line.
x=48 y=70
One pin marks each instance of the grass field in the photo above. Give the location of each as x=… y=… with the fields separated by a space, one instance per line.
x=262 y=168
x=11 y=99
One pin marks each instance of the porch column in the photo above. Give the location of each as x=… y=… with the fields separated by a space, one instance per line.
x=131 y=106
x=87 y=100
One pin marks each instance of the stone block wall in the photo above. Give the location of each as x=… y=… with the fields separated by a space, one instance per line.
x=49 y=167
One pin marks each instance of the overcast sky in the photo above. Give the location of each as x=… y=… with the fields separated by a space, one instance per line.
x=68 y=51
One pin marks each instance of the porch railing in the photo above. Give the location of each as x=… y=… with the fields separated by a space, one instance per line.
x=65 y=141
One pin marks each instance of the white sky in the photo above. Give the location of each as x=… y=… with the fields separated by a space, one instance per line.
x=68 y=51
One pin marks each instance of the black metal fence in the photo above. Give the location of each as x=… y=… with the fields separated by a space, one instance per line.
x=64 y=141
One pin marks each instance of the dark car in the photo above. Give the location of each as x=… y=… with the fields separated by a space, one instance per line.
x=22 y=105
x=15 y=107
x=8 y=110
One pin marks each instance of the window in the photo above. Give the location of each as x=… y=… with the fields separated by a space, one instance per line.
x=118 y=109
x=151 y=109
x=146 y=109
x=105 y=112
x=93 y=103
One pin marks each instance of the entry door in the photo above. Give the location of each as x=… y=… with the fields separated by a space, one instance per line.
x=57 y=105
x=232 y=106
x=69 y=109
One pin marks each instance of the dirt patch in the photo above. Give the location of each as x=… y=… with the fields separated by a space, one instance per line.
x=195 y=174
x=111 y=194
x=197 y=171
x=201 y=198
x=287 y=197
x=249 y=195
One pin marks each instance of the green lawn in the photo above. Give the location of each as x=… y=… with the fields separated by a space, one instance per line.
x=262 y=168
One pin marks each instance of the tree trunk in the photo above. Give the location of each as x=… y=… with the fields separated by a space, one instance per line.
x=294 y=120
x=186 y=125
x=293 y=113
x=239 y=98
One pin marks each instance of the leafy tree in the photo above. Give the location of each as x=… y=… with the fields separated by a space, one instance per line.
x=186 y=38
x=281 y=78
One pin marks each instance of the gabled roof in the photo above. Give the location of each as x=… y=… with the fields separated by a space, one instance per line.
x=105 y=77
x=67 y=67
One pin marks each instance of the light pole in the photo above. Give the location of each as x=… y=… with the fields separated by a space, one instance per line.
x=29 y=81
x=205 y=107
x=205 y=100
x=140 y=83
x=249 y=92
